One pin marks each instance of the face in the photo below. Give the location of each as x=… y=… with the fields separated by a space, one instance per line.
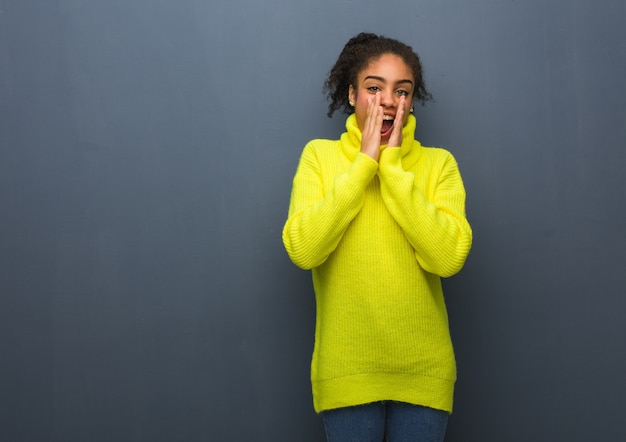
x=390 y=76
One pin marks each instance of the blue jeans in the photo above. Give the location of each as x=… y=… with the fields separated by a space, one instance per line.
x=385 y=421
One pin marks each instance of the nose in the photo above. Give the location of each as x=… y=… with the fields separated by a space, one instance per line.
x=387 y=98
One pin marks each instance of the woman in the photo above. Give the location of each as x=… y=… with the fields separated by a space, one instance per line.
x=379 y=219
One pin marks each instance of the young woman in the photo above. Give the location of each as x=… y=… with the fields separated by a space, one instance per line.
x=379 y=219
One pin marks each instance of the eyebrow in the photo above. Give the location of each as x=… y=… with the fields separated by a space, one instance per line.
x=381 y=79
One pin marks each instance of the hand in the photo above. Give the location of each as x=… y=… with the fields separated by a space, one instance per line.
x=395 y=139
x=370 y=133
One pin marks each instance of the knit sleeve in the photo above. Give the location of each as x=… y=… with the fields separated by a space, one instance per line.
x=321 y=209
x=432 y=214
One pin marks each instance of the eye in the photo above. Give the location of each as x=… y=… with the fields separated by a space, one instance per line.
x=373 y=88
x=402 y=92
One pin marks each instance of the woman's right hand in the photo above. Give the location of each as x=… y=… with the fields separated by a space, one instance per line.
x=370 y=134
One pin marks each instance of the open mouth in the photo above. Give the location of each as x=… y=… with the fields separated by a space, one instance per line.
x=387 y=125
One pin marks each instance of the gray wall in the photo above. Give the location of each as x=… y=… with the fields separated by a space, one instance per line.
x=147 y=151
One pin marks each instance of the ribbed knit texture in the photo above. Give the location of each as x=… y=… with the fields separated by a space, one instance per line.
x=378 y=237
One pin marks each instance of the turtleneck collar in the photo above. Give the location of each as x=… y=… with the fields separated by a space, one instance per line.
x=351 y=139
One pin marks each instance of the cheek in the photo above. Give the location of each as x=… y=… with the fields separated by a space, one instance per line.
x=360 y=119
x=361 y=112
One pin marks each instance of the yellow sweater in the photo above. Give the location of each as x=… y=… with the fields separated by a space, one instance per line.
x=378 y=237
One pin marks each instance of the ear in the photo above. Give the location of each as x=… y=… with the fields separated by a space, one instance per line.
x=351 y=94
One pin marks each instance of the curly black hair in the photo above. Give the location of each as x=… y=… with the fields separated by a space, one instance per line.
x=356 y=55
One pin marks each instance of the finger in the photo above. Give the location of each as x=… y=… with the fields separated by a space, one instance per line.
x=372 y=113
x=378 y=115
x=370 y=141
x=395 y=139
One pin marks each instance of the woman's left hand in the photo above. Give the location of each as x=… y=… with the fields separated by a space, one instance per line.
x=395 y=139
